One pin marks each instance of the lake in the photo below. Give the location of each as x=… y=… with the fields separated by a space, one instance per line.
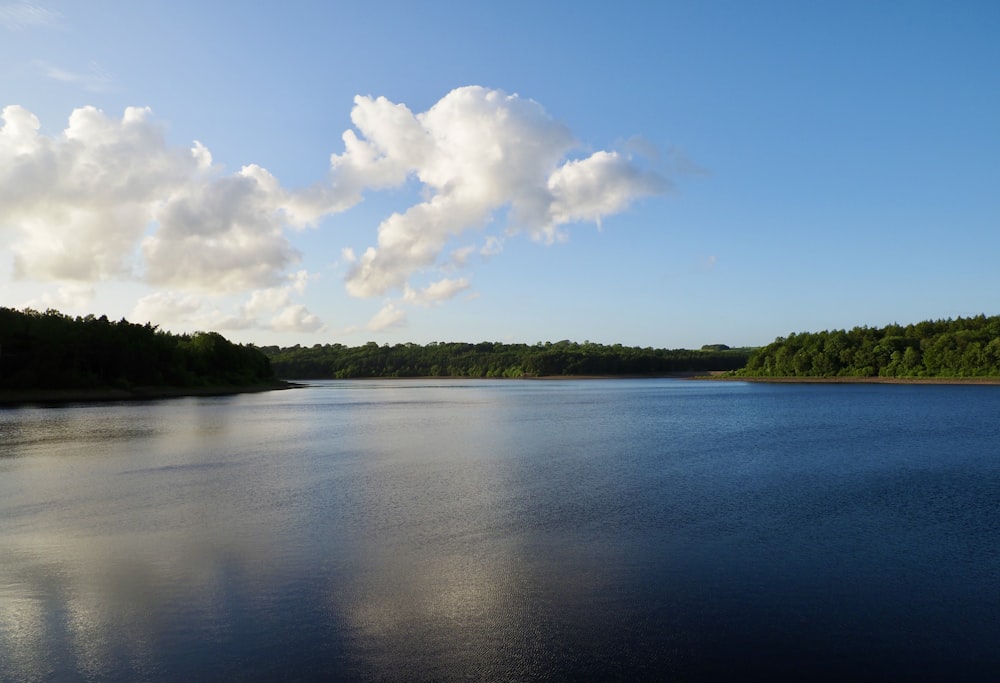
x=505 y=530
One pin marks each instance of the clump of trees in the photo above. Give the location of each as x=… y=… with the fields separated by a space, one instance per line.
x=493 y=359
x=54 y=351
x=963 y=347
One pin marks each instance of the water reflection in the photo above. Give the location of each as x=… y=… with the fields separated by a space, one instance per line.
x=517 y=530
x=408 y=524
x=443 y=579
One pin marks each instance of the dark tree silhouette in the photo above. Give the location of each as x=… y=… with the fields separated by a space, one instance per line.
x=53 y=351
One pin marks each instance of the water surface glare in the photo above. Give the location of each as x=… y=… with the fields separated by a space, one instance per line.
x=512 y=530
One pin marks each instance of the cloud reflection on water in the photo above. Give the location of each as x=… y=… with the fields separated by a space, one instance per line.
x=203 y=527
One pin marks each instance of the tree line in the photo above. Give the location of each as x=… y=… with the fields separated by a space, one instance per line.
x=963 y=347
x=494 y=359
x=49 y=350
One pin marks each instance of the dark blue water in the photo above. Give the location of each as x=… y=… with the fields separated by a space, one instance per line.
x=507 y=530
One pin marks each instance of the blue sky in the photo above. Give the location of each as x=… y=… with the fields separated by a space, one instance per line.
x=665 y=174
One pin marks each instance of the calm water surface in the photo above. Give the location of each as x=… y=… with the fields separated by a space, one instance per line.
x=506 y=530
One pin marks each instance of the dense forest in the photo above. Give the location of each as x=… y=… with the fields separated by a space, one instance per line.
x=49 y=350
x=53 y=351
x=963 y=347
x=494 y=359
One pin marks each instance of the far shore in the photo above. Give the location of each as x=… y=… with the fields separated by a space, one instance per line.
x=542 y=378
x=13 y=398
x=857 y=380
x=19 y=397
x=717 y=376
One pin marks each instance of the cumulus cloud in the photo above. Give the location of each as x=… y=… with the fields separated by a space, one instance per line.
x=180 y=311
x=79 y=202
x=460 y=257
x=108 y=198
x=389 y=317
x=287 y=316
x=67 y=298
x=295 y=318
x=189 y=311
x=589 y=189
x=476 y=151
x=80 y=205
x=439 y=291
x=224 y=235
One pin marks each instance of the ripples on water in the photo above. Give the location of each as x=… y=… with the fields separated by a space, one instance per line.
x=505 y=530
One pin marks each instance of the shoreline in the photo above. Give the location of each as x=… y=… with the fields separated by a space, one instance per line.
x=12 y=398
x=860 y=380
x=709 y=375
x=704 y=374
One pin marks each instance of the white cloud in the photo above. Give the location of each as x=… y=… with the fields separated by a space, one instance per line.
x=295 y=318
x=263 y=301
x=299 y=281
x=224 y=235
x=460 y=257
x=389 y=317
x=71 y=298
x=109 y=199
x=18 y=16
x=189 y=312
x=602 y=184
x=180 y=312
x=79 y=206
x=435 y=293
x=185 y=313
x=476 y=152
x=289 y=317
x=79 y=202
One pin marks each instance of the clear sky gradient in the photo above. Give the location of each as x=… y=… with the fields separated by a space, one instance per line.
x=666 y=174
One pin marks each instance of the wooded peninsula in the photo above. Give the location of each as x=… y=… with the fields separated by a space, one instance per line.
x=44 y=352
x=959 y=348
